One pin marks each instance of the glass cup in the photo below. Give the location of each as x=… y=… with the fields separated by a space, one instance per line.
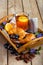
x=22 y=20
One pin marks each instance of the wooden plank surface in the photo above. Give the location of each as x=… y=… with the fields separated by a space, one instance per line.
x=37 y=60
x=11 y=7
x=40 y=6
x=3 y=52
x=14 y=6
x=3 y=8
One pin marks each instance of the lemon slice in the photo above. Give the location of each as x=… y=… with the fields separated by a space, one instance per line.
x=23 y=18
x=8 y=27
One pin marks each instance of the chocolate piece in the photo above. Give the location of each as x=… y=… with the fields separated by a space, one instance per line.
x=26 y=60
x=33 y=55
x=22 y=57
x=17 y=58
x=26 y=55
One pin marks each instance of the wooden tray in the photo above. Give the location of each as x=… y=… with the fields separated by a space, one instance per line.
x=30 y=44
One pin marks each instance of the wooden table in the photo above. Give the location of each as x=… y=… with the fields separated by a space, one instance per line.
x=35 y=9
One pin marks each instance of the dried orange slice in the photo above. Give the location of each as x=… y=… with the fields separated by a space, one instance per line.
x=14 y=30
x=8 y=27
x=10 y=32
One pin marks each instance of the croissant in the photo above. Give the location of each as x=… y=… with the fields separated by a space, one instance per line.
x=27 y=38
x=23 y=36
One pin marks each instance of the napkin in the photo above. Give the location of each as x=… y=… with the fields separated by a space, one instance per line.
x=34 y=25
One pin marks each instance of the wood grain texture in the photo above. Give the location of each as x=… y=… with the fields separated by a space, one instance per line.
x=14 y=6
x=3 y=52
x=40 y=6
x=27 y=7
x=11 y=7
x=32 y=8
x=37 y=60
x=3 y=8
